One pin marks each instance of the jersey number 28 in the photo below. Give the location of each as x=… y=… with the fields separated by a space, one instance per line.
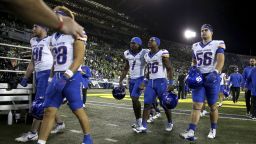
x=60 y=54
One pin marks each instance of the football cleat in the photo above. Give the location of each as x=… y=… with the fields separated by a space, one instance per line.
x=58 y=128
x=157 y=115
x=212 y=134
x=151 y=119
x=27 y=137
x=169 y=127
x=140 y=129
x=188 y=135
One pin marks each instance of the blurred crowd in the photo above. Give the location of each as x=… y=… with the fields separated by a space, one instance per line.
x=109 y=33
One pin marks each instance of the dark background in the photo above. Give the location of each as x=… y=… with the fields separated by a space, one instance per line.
x=232 y=20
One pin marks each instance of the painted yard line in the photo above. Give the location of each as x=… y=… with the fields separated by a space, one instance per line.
x=113 y=106
x=189 y=100
x=75 y=131
x=106 y=103
x=114 y=125
x=111 y=140
x=63 y=116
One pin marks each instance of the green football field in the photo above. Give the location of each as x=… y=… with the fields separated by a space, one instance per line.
x=110 y=121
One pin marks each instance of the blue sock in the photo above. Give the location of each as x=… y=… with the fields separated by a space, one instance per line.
x=87 y=139
x=213 y=125
x=192 y=127
x=144 y=123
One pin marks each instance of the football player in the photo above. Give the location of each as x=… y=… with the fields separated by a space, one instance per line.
x=208 y=57
x=222 y=87
x=68 y=54
x=41 y=62
x=135 y=64
x=157 y=64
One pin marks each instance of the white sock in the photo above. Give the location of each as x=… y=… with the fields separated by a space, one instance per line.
x=41 y=142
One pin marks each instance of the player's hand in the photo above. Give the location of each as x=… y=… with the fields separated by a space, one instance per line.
x=212 y=78
x=171 y=86
x=24 y=82
x=71 y=27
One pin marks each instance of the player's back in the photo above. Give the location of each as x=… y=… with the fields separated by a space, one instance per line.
x=155 y=64
x=42 y=55
x=205 y=54
x=62 y=49
x=136 y=63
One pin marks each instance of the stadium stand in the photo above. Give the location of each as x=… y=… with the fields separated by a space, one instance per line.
x=109 y=32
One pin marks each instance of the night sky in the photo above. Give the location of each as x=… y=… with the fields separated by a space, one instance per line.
x=167 y=19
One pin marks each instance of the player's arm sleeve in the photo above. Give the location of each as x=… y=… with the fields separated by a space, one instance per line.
x=221 y=47
x=165 y=53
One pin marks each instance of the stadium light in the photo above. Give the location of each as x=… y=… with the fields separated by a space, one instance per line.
x=189 y=34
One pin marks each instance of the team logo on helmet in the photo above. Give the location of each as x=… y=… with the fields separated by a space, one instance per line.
x=37 y=109
x=194 y=78
x=170 y=100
